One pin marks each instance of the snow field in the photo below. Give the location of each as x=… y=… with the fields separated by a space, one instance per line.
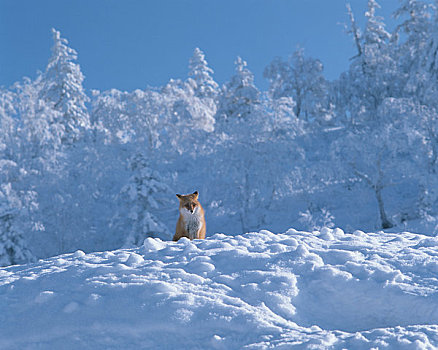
x=320 y=290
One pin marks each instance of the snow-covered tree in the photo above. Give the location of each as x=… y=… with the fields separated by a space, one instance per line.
x=425 y=125
x=240 y=107
x=62 y=85
x=8 y=124
x=283 y=121
x=425 y=77
x=41 y=131
x=139 y=199
x=239 y=97
x=189 y=106
x=187 y=120
x=375 y=32
x=13 y=222
x=300 y=78
x=200 y=76
x=129 y=116
x=384 y=156
x=372 y=75
x=146 y=106
x=252 y=188
x=411 y=37
x=111 y=114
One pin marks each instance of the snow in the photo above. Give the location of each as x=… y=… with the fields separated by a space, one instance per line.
x=325 y=289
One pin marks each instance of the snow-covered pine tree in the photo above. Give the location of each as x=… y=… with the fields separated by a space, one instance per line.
x=239 y=97
x=202 y=92
x=200 y=76
x=41 y=160
x=13 y=248
x=62 y=85
x=139 y=198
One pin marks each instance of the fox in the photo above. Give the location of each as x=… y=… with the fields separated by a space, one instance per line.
x=191 y=221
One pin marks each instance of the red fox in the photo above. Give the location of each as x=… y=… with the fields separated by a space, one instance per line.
x=191 y=222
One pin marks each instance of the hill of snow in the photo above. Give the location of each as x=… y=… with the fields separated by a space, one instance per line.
x=261 y=290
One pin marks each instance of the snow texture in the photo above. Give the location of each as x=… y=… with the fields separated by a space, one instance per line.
x=326 y=289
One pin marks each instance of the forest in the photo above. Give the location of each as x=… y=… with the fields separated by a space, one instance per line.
x=99 y=170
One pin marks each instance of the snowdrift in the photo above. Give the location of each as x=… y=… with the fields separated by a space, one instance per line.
x=260 y=290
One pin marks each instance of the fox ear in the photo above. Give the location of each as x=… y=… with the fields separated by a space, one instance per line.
x=196 y=194
x=179 y=196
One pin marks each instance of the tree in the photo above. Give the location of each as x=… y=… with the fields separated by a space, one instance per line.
x=426 y=126
x=425 y=75
x=300 y=78
x=62 y=85
x=145 y=109
x=283 y=122
x=416 y=30
x=111 y=114
x=13 y=223
x=200 y=78
x=41 y=132
x=249 y=159
x=372 y=75
x=8 y=124
x=139 y=198
x=239 y=97
x=384 y=156
x=186 y=119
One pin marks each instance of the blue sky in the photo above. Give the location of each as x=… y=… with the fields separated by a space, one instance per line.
x=137 y=43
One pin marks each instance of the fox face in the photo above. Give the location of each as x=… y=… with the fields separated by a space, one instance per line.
x=189 y=202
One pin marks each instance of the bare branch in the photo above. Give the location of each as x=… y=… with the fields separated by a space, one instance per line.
x=354 y=31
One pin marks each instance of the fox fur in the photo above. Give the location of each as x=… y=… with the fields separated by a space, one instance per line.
x=191 y=221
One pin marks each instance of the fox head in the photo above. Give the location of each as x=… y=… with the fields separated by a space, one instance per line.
x=189 y=201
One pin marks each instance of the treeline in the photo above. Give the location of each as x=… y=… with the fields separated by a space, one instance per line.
x=99 y=171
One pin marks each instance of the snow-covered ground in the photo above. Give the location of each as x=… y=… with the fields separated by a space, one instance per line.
x=318 y=290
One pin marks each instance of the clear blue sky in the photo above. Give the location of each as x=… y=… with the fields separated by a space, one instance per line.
x=129 y=44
